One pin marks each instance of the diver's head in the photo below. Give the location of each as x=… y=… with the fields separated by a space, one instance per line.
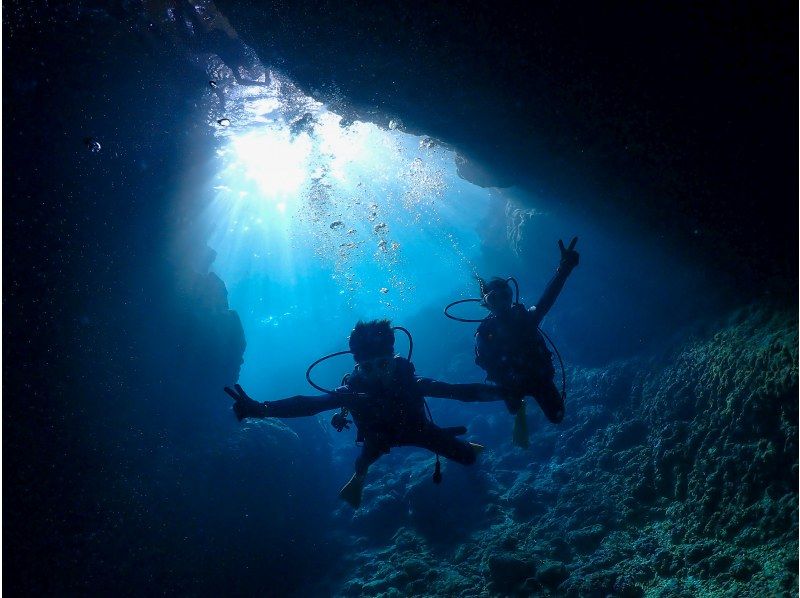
x=496 y=294
x=372 y=345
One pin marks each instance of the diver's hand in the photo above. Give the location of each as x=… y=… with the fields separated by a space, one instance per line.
x=569 y=257
x=243 y=405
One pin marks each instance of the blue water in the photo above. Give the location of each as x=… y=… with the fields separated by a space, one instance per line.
x=314 y=224
x=321 y=224
x=317 y=224
x=358 y=223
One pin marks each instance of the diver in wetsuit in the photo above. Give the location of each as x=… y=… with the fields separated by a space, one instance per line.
x=510 y=347
x=387 y=401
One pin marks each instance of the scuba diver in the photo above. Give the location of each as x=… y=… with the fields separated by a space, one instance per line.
x=387 y=402
x=510 y=348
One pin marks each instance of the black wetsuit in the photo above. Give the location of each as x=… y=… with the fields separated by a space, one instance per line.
x=395 y=415
x=512 y=351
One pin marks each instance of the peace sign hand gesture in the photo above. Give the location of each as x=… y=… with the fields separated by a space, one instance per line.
x=569 y=257
x=243 y=405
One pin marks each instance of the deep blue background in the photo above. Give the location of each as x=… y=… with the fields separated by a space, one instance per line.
x=673 y=149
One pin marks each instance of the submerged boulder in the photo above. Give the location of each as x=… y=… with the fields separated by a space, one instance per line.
x=508 y=571
x=551 y=574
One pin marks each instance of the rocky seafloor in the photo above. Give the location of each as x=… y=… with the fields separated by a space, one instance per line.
x=672 y=475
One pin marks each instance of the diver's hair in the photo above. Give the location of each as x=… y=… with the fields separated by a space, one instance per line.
x=372 y=339
x=495 y=284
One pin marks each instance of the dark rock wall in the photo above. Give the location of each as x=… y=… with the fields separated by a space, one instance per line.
x=125 y=471
x=681 y=116
x=674 y=474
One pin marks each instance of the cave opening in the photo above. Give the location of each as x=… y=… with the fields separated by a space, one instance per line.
x=317 y=222
x=126 y=465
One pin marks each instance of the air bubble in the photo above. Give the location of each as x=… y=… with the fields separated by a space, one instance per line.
x=92 y=144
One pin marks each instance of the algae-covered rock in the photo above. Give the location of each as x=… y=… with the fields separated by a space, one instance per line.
x=586 y=539
x=672 y=475
x=551 y=574
x=744 y=568
x=507 y=571
x=415 y=568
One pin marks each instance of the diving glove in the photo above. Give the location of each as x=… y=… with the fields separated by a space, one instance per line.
x=244 y=406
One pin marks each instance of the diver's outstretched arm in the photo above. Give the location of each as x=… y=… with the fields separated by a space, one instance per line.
x=468 y=393
x=297 y=406
x=303 y=406
x=569 y=259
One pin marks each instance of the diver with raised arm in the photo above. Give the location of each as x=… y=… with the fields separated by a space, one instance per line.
x=510 y=347
x=387 y=402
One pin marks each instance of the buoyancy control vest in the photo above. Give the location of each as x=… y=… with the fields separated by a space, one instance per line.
x=386 y=412
x=512 y=351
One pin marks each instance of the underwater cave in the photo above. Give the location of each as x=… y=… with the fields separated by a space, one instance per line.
x=202 y=194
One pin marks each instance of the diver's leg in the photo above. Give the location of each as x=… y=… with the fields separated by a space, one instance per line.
x=550 y=400
x=351 y=492
x=445 y=443
x=370 y=453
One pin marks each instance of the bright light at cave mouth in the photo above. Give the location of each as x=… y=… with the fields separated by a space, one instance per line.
x=277 y=163
x=317 y=223
x=302 y=194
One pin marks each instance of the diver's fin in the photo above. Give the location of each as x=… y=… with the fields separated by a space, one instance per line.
x=351 y=492
x=477 y=448
x=520 y=435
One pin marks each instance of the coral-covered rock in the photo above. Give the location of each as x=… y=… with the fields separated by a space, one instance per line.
x=673 y=475
x=507 y=571
x=551 y=574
